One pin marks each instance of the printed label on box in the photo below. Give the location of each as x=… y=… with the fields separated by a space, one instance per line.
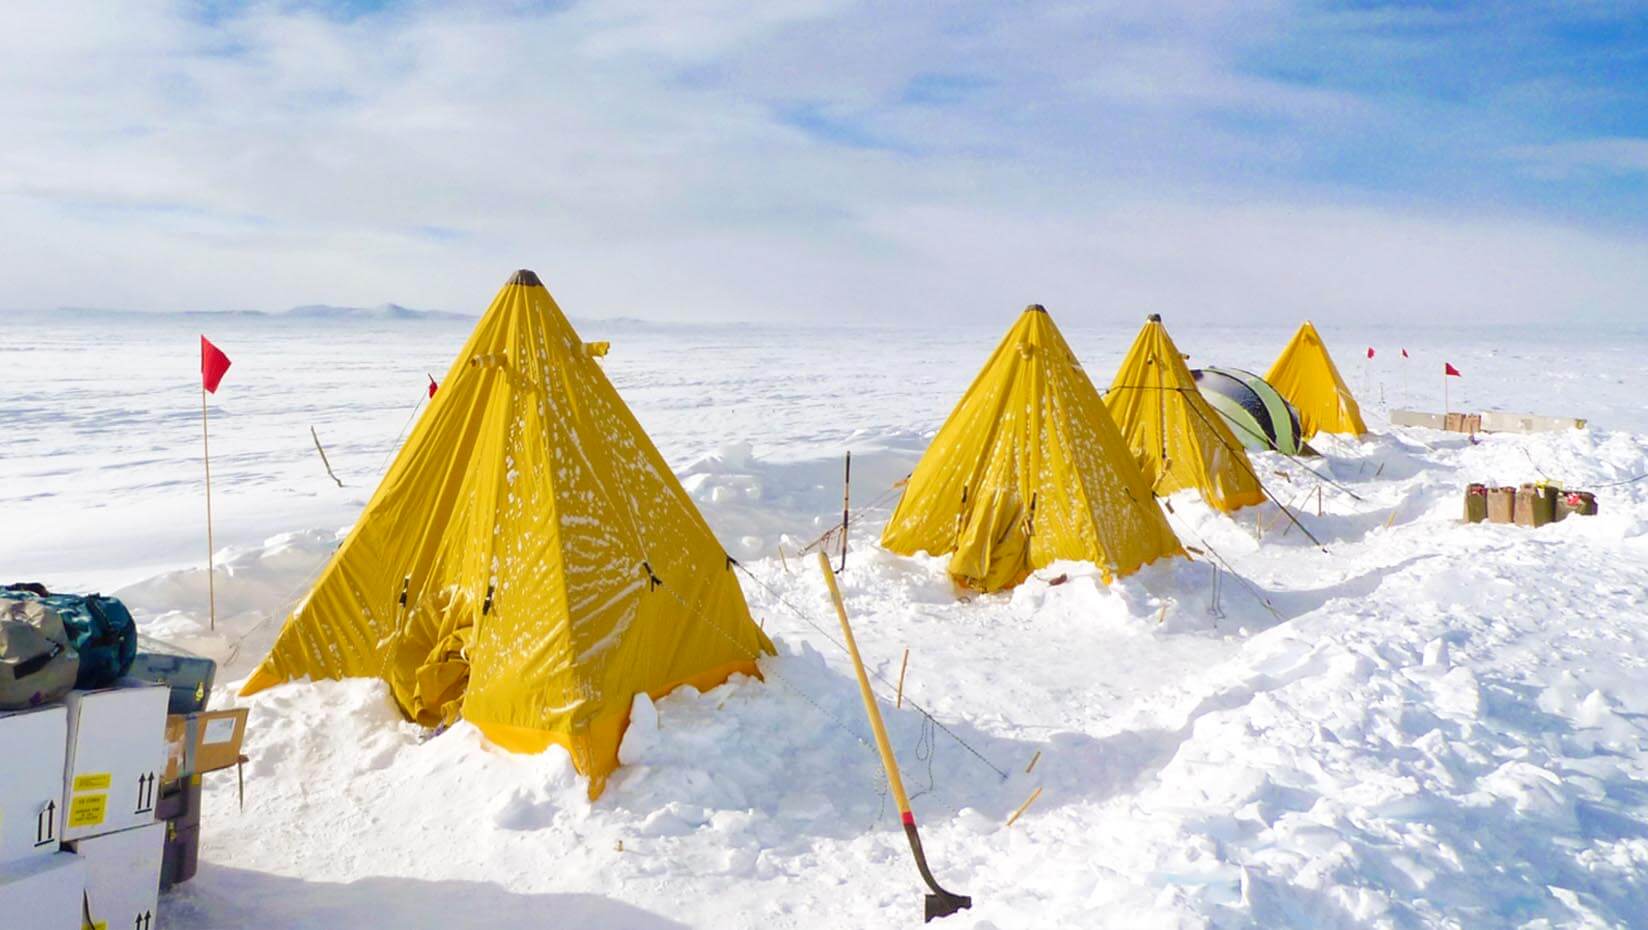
x=221 y=730
x=88 y=810
x=93 y=781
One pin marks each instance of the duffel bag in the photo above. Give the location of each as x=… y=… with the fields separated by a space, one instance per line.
x=37 y=664
x=100 y=629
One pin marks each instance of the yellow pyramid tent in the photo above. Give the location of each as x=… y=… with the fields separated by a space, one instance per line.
x=1178 y=440
x=1305 y=374
x=529 y=562
x=1029 y=468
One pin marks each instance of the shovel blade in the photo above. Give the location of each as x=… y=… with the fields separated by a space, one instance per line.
x=945 y=904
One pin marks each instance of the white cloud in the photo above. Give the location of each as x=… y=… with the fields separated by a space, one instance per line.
x=1617 y=156
x=648 y=160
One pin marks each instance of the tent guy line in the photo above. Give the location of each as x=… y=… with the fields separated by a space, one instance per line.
x=878 y=676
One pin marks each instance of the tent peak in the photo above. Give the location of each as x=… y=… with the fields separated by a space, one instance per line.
x=1035 y=308
x=1153 y=318
x=526 y=277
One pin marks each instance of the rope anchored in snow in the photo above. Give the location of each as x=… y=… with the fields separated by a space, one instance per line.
x=802 y=614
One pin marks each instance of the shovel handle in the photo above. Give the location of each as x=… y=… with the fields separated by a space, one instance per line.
x=940 y=903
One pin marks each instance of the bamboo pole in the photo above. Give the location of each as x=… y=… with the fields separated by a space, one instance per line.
x=211 y=547
x=846 y=501
x=323 y=459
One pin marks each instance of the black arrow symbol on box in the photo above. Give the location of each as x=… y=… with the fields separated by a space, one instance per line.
x=45 y=824
x=145 y=793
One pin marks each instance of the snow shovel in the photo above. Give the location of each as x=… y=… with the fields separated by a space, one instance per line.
x=940 y=903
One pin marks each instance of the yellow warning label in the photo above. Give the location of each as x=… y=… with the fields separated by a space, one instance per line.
x=88 y=810
x=93 y=781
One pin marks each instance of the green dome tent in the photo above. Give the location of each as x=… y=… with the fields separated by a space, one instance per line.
x=1259 y=416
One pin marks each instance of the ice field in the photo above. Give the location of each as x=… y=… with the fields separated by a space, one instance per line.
x=1421 y=724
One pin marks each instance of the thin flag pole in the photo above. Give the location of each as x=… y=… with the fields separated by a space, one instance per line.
x=213 y=365
x=211 y=547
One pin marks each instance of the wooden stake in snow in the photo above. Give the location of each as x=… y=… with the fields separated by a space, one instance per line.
x=905 y=664
x=1025 y=806
x=1033 y=760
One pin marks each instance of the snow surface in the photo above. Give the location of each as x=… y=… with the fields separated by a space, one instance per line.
x=1429 y=724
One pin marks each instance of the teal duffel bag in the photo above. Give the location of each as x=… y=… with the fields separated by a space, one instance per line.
x=100 y=629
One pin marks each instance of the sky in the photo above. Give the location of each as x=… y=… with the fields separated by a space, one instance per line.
x=820 y=162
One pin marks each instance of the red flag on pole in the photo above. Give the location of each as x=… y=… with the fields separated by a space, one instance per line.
x=1449 y=371
x=1404 y=353
x=213 y=364
x=432 y=385
x=1370 y=351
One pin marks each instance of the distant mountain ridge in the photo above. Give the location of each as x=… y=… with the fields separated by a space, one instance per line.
x=380 y=312
x=389 y=311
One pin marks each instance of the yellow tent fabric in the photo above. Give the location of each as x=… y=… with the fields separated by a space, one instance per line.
x=1029 y=468
x=1177 y=439
x=1305 y=374
x=529 y=562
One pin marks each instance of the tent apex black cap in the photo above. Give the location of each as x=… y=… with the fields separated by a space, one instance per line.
x=1153 y=318
x=526 y=277
x=1035 y=308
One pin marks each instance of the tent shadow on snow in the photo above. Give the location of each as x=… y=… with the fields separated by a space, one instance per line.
x=805 y=758
x=754 y=503
x=1337 y=528
x=228 y=897
x=803 y=752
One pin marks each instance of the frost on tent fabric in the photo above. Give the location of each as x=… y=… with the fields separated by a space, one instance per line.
x=529 y=563
x=1305 y=374
x=1029 y=468
x=1174 y=434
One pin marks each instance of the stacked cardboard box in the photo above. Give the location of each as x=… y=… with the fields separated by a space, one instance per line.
x=1463 y=423
x=43 y=892
x=40 y=887
x=78 y=838
x=116 y=757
